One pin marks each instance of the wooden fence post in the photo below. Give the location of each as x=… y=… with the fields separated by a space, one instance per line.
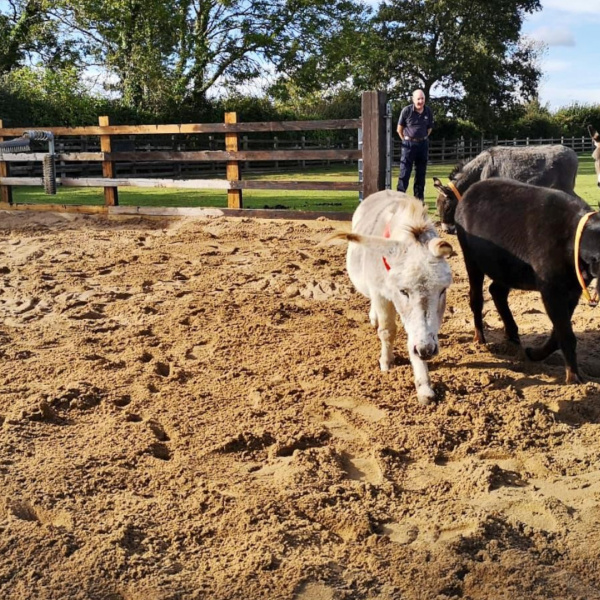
x=5 y=190
x=234 y=197
x=111 y=195
x=374 y=140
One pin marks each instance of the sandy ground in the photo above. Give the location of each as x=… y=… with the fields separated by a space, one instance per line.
x=193 y=409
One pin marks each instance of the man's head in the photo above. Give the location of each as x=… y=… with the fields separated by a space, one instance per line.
x=418 y=99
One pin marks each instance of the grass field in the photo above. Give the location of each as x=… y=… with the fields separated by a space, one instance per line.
x=299 y=200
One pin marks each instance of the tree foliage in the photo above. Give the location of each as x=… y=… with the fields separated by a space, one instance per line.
x=176 y=53
x=28 y=34
x=187 y=60
x=467 y=54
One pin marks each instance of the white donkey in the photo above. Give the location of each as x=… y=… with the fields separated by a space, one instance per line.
x=396 y=259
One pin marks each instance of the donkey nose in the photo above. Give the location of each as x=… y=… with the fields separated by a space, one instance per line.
x=426 y=351
x=451 y=229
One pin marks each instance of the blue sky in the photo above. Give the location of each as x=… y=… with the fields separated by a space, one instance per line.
x=570 y=29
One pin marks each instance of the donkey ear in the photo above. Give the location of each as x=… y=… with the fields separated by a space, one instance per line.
x=440 y=248
x=594 y=134
x=441 y=188
x=383 y=246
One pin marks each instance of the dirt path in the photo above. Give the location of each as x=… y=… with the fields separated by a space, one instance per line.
x=193 y=409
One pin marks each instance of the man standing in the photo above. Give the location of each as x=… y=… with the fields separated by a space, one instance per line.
x=414 y=127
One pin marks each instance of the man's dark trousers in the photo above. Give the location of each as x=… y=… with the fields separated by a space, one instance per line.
x=417 y=153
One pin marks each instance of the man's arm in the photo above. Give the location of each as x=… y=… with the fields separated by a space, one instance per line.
x=400 y=131
x=431 y=120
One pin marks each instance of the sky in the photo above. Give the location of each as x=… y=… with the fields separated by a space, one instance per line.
x=570 y=64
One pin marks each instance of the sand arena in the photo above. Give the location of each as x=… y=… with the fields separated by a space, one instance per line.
x=193 y=409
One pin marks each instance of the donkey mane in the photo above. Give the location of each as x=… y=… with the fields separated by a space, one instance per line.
x=413 y=219
x=457 y=169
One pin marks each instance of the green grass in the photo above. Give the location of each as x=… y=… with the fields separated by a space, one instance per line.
x=587 y=181
x=298 y=200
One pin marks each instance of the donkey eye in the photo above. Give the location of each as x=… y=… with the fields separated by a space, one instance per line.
x=404 y=293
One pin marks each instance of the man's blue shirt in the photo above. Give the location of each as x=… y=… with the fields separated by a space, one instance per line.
x=415 y=124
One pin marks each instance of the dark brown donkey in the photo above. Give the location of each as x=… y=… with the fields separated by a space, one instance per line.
x=523 y=237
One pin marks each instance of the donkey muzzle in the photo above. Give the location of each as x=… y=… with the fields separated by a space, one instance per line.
x=426 y=351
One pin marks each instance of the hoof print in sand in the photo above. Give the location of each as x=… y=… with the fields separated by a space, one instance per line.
x=365 y=469
x=160 y=451
x=158 y=431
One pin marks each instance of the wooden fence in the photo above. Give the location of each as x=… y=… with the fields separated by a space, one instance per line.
x=110 y=155
x=181 y=169
x=441 y=151
x=113 y=157
x=451 y=151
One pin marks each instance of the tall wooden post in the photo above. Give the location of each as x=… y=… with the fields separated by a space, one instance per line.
x=374 y=140
x=234 y=197
x=5 y=190
x=111 y=195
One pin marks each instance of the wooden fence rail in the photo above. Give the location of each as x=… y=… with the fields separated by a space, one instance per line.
x=80 y=157
x=451 y=151
x=197 y=128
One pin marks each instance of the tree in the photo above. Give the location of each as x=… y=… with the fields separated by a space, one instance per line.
x=467 y=54
x=178 y=52
x=29 y=36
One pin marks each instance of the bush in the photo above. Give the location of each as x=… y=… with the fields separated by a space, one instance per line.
x=574 y=119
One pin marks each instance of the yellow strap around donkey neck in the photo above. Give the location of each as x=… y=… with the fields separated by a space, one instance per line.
x=455 y=190
x=591 y=301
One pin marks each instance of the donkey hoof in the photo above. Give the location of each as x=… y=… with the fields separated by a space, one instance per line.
x=478 y=337
x=572 y=377
x=425 y=396
x=386 y=364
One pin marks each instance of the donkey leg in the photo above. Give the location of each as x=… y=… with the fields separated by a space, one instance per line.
x=545 y=350
x=551 y=344
x=499 y=294
x=385 y=315
x=373 y=315
x=560 y=306
x=425 y=393
x=476 y=277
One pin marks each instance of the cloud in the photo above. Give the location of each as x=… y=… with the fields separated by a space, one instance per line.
x=573 y=6
x=561 y=96
x=554 y=36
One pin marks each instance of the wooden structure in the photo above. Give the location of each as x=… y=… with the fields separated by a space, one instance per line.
x=373 y=155
x=374 y=142
x=5 y=190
